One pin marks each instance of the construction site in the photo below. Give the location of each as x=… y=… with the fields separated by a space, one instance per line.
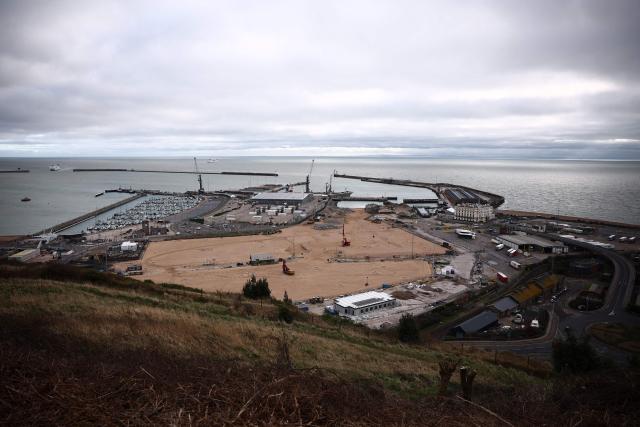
x=341 y=254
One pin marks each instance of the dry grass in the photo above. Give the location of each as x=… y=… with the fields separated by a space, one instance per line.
x=619 y=335
x=74 y=353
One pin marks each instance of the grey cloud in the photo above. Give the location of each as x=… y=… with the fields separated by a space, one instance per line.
x=488 y=79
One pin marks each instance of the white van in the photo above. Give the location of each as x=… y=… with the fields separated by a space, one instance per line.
x=515 y=265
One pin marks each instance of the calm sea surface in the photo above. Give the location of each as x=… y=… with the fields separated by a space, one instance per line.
x=597 y=189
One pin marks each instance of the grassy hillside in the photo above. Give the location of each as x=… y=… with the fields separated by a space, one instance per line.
x=82 y=347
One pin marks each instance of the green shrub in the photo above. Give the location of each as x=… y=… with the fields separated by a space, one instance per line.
x=256 y=288
x=408 y=329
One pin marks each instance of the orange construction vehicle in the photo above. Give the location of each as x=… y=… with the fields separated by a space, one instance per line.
x=286 y=270
x=345 y=242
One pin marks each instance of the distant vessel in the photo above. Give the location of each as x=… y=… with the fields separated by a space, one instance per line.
x=25 y=199
x=54 y=168
x=212 y=160
x=99 y=194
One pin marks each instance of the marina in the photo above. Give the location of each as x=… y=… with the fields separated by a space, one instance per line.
x=151 y=209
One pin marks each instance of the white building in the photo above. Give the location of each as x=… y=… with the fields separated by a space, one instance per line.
x=364 y=303
x=474 y=212
x=129 y=247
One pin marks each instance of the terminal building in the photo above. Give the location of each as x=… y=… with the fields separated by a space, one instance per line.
x=473 y=212
x=527 y=243
x=281 y=198
x=364 y=303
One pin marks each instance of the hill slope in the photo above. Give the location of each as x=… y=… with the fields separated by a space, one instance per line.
x=80 y=347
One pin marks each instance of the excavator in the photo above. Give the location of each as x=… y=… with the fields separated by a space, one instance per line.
x=286 y=270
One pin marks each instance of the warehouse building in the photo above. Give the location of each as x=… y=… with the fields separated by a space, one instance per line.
x=527 y=243
x=479 y=323
x=473 y=212
x=504 y=306
x=259 y=259
x=364 y=303
x=460 y=195
x=281 y=198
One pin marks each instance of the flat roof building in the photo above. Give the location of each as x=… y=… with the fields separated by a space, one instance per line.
x=364 y=303
x=256 y=259
x=281 y=198
x=528 y=243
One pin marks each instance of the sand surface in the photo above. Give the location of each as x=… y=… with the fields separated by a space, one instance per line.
x=200 y=262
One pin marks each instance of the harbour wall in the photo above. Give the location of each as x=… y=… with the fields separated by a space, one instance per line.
x=67 y=224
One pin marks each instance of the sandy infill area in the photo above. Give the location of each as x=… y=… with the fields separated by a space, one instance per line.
x=201 y=263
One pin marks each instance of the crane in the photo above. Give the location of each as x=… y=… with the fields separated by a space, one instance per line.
x=201 y=189
x=307 y=182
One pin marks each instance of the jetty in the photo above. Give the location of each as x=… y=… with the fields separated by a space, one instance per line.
x=185 y=172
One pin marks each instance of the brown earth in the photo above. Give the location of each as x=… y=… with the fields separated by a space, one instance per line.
x=200 y=263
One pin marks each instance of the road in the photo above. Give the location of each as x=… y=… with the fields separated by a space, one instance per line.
x=562 y=318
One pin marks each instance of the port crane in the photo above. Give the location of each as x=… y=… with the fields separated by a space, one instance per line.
x=307 y=182
x=201 y=188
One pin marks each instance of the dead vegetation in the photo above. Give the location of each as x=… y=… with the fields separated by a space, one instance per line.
x=102 y=353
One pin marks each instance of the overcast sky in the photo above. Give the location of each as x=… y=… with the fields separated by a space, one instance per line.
x=496 y=79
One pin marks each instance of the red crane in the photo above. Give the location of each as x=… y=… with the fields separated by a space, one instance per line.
x=345 y=242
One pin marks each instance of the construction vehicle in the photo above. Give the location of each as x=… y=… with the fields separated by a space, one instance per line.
x=345 y=242
x=201 y=189
x=286 y=270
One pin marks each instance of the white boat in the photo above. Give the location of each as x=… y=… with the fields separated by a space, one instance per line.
x=54 y=168
x=212 y=160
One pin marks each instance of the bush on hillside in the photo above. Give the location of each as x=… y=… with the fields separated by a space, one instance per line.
x=575 y=355
x=408 y=329
x=256 y=288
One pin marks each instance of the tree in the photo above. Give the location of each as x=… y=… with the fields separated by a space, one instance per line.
x=408 y=329
x=575 y=355
x=447 y=368
x=256 y=288
x=285 y=314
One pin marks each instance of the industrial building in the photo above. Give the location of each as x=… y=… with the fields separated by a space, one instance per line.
x=460 y=195
x=473 y=212
x=527 y=243
x=504 y=306
x=25 y=255
x=129 y=247
x=478 y=323
x=281 y=198
x=258 y=259
x=364 y=303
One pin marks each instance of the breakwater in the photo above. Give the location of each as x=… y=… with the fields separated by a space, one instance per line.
x=186 y=172
x=68 y=224
x=439 y=188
